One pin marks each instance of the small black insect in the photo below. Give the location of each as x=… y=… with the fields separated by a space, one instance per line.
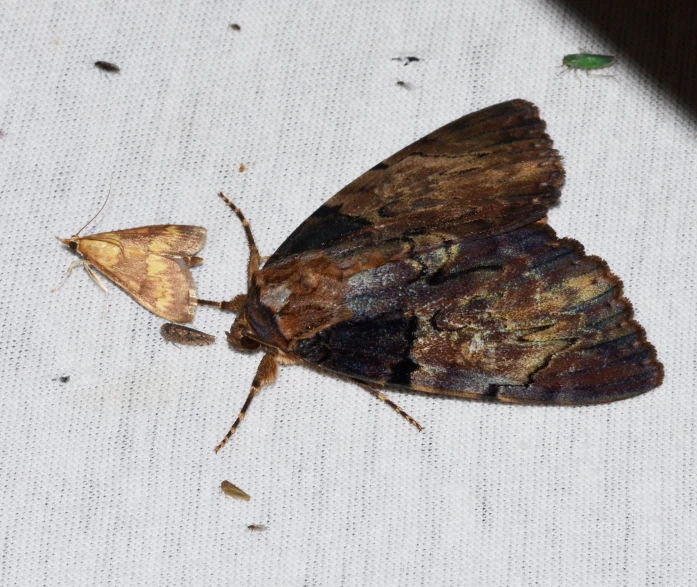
x=406 y=60
x=106 y=66
x=235 y=27
x=257 y=528
x=405 y=85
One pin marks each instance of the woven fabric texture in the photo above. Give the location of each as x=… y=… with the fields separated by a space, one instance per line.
x=107 y=469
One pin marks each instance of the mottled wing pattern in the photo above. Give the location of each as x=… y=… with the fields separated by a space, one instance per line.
x=177 y=240
x=519 y=317
x=435 y=271
x=482 y=174
x=147 y=263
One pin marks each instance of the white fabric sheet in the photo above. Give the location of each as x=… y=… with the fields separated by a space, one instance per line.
x=111 y=478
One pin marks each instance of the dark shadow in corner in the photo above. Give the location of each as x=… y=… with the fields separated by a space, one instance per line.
x=659 y=37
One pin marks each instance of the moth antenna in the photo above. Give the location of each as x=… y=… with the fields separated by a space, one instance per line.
x=97 y=214
x=253 y=265
x=265 y=375
x=383 y=398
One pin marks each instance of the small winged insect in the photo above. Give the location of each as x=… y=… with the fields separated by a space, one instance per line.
x=406 y=60
x=403 y=84
x=235 y=27
x=178 y=334
x=150 y=263
x=233 y=491
x=436 y=272
x=257 y=528
x=586 y=62
x=107 y=67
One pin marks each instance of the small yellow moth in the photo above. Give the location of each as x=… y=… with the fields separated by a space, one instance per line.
x=151 y=263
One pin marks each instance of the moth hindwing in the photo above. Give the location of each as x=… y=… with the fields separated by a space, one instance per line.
x=435 y=271
x=150 y=263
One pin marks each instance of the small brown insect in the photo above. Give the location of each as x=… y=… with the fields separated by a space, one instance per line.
x=242 y=168
x=106 y=66
x=151 y=263
x=405 y=85
x=257 y=528
x=235 y=27
x=233 y=491
x=179 y=334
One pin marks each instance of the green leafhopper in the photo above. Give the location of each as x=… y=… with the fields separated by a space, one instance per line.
x=587 y=61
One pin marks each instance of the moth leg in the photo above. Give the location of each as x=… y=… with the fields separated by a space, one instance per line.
x=266 y=374
x=234 y=305
x=70 y=270
x=253 y=265
x=192 y=261
x=383 y=398
x=101 y=285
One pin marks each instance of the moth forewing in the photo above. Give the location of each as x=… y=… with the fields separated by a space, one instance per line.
x=151 y=263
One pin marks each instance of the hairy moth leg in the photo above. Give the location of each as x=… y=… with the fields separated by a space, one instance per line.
x=192 y=261
x=236 y=303
x=265 y=375
x=253 y=265
x=383 y=398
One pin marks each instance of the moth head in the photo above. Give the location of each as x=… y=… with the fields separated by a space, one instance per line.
x=241 y=336
x=71 y=242
x=74 y=241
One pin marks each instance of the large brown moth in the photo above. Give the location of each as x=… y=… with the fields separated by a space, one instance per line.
x=436 y=271
x=151 y=263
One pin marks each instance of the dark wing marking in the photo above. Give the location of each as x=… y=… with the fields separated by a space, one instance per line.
x=486 y=173
x=518 y=317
